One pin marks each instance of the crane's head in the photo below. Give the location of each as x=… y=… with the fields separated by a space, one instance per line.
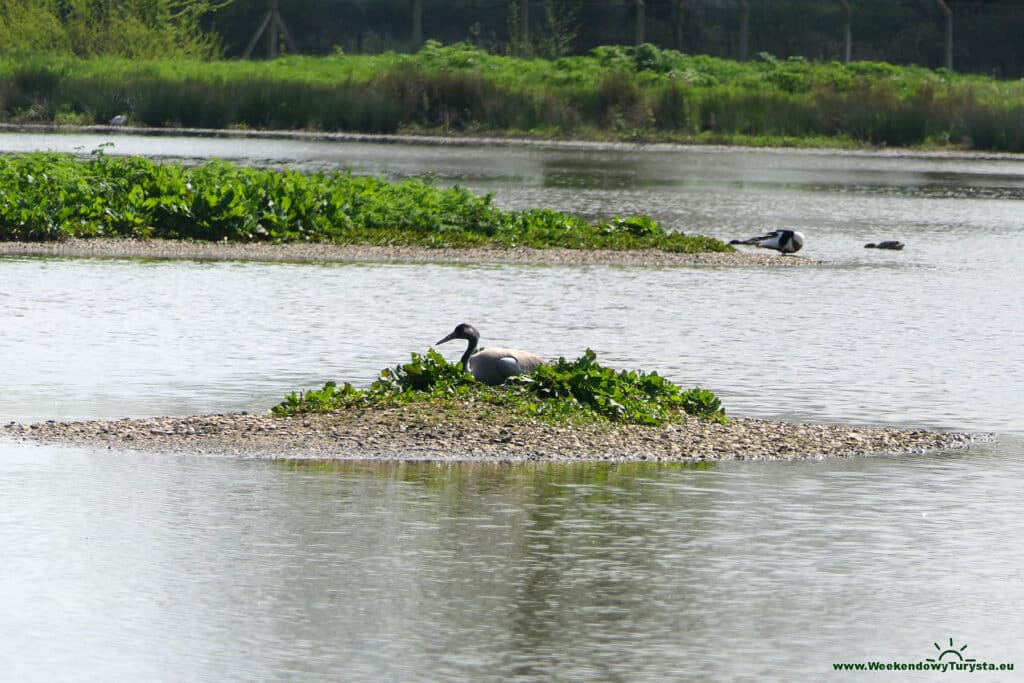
x=462 y=331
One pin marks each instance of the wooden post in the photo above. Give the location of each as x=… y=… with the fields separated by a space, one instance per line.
x=847 y=36
x=256 y=36
x=640 y=18
x=417 y=24
x=949 y=32
x=744 y=29
x=677 y=23
x=524 y=27
x=273 y=25
x=272 y=32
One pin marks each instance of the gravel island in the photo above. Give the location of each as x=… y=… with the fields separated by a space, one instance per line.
x=365 y=253
x=462 y=432
x=455 y=431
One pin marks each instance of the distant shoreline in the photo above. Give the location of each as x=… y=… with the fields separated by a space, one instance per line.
x=470 y=140
x=125 y=248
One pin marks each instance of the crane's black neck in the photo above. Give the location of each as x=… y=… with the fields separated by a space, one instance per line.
x=471 y=343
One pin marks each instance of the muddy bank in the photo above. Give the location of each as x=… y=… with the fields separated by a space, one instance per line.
x=310 y=252
x=476 y=433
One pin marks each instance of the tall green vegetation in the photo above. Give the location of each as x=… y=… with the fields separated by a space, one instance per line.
x=559 y=391
x=134 y=29
x=634 y=93
x=52 y=196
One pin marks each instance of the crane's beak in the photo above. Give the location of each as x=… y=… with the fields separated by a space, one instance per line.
x=448 y=338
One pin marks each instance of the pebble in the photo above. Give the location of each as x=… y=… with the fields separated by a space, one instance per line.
x=320 y=252
x=462 y=433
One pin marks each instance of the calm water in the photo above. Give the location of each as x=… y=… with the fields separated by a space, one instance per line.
x=127 y=566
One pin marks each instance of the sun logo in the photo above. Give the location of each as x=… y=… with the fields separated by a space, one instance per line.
x=951 y=651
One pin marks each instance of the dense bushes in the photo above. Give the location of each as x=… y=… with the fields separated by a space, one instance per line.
x=143 y=29
x=617 y=92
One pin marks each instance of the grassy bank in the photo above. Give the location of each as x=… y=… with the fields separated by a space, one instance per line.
x=615 y=93
x=53 y=196
x=564 y=391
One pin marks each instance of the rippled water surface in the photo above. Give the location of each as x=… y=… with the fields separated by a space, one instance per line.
x=128 y=566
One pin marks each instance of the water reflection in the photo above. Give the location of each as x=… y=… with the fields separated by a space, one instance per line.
x=241 y=569
x=662 y=173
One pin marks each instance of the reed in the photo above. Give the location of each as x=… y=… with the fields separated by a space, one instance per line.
x=614 y=93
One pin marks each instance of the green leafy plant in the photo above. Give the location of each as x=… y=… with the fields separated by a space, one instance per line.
x=702 y=403
x=629 y=396
x=426 y=374
x=324 y=400
x=559 y=391
x=53 y=196
x=638 y=226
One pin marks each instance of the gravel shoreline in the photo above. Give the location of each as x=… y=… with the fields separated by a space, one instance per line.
x=317 y=252
x=428 y=432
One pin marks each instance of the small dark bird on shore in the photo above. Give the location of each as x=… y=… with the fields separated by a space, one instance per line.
x=782 y=241
x=887 y=244
x=494 y=365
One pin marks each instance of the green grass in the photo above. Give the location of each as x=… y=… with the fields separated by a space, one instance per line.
x=54 y=196
x=559 y=392
x=615 y=93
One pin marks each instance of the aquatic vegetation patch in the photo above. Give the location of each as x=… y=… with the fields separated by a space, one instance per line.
x=52 y=196
x=560 y=391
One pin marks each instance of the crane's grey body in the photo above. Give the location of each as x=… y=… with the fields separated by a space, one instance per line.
x=495 y=365
x=492 y=365
x=782 y=241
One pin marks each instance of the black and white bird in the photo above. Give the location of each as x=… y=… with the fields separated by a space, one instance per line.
x=782 y=241
x=887 y=244
x=491 y=365
x=119 y=120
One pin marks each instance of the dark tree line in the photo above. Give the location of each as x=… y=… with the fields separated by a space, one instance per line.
x=986 y=34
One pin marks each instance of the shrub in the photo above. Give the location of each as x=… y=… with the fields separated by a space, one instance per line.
x=143 y=29
x=671 y=110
